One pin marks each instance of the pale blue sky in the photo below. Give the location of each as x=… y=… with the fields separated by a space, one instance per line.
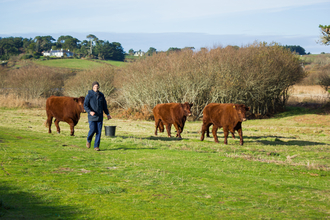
x=140 y=24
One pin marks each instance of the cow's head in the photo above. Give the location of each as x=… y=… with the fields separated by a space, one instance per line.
x=80 y=102
x=241 y=111
x=186 y=108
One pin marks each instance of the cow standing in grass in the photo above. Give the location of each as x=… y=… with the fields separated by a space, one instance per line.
x=171 y=113
x=64 y=108
x=226 y=116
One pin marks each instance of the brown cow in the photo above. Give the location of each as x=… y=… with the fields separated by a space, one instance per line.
x=226 y=116
x=64 y=108
x=171 y=113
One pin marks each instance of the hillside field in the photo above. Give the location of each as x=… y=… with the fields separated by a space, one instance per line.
x=281 y=171
x=79 y=64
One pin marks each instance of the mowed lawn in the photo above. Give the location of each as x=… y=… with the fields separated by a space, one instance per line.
x=281 y=171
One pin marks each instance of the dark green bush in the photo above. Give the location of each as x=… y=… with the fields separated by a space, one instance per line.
x=26 y=56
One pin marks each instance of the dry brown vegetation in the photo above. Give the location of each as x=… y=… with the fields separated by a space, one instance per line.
x=31 y=81
x=14 y=101
x=258 y=75
x=317 y=67
x=82 y=82
x=307 y=94
x=30 y=84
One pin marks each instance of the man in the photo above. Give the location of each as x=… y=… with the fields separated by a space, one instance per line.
x=95 y=104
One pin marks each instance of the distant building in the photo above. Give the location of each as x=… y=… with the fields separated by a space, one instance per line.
x=139 y=53
x=57 y=53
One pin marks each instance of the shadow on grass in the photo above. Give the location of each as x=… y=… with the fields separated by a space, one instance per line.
x=276 y=140
x=15 y=204
x=290 y=143
x=131 y=148
x=269 y=136
x=295 y=111
x=154 y=138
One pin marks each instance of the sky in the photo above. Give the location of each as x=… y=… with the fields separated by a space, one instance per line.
x=161 y=24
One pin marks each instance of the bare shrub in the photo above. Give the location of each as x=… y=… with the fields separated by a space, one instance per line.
x=3 y=77
x=324 y=77
x=82 y=82
x=322 y=60
x=257 y=75
x=32 y=81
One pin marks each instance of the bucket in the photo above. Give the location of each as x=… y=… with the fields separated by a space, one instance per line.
x=110 y=130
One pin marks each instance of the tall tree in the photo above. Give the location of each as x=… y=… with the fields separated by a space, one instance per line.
x=106 y=51
x=10 y=46
x=325 y=31
x=43 y=43
x=298 y=49
x=91 y=38
x=68 y=42
x=151 y=51
x=131 y=52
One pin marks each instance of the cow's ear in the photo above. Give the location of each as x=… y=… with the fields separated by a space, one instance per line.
x=247 y=108
x=75 y=99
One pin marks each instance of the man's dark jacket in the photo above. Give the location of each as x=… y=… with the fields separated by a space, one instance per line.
x=95 y=102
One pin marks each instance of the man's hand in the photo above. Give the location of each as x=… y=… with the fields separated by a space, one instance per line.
x=92 y=113
x=109 y=117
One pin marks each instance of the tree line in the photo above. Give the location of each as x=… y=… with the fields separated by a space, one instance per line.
x=92 y=47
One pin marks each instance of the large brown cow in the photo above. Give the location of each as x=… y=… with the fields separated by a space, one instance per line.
x=226 y=116
x=171 y=113
x=64 y=108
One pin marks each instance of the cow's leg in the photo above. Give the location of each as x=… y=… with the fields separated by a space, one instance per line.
x=183 y=123
x=204 y=128
x=49 y=122
x=72 y=128
x=56 y=122
x=178 y=130
x=208 y=131
x=168 y=128
x=240 y=132
x=232 y=131
x=225 y=133
x=72 y=124
x=214 y=132
x=157 y=121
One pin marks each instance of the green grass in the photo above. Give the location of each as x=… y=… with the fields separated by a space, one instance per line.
x=76 y=63
x=114 y=63
x=281 y=171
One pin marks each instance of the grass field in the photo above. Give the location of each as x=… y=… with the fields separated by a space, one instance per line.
x=80 y=64
x=281 y=171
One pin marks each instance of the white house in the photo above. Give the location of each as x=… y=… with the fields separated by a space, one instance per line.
x=58 y=53
x=139 y=53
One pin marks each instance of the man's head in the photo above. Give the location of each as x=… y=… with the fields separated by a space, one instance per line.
x=95 y=86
